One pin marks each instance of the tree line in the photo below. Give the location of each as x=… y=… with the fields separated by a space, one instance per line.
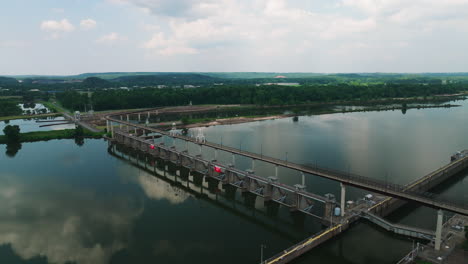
x=9 y=107
x=248 y=94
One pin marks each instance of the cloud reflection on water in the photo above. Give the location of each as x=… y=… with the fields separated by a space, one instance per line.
x=62 y=223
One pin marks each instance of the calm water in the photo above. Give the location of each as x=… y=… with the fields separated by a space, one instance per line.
x=30 y=125
x=62 y=203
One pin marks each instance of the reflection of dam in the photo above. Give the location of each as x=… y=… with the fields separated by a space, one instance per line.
x=141 y=138
x=180 y=184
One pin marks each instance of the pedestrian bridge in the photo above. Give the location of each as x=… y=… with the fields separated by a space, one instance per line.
x=398 y=228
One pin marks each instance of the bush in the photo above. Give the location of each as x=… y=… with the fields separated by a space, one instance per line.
x=12 y=133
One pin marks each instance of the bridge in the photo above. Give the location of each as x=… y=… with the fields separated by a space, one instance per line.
x=399 y=229
x=296 y=198
x=345 y=178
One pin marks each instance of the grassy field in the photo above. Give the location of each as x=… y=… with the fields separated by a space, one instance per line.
x=49 y=135
x=54 y=106
x=11 y=97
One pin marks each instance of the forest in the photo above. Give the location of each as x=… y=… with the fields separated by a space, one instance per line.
x=9 y=107
x=248 y=94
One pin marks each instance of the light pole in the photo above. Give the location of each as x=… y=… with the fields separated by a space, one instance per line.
x=262 y=246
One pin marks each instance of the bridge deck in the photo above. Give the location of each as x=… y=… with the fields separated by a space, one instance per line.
x=390 y=189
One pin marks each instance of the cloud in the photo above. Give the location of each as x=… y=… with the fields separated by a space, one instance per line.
x=172 y=8
x=164 y=46
x=111 y=38
x=57 y=26
x=277 y=35
x=87 y=24
x=54 y=222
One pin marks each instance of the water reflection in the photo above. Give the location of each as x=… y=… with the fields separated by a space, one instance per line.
x=31 y=124
x=12 y=149
x=63 y=223
x=79 y=141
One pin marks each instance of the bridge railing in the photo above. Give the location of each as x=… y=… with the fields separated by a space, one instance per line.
x=339 y=175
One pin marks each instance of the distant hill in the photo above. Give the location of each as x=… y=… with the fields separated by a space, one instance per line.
x=7 y=80
x=95 y=82
x=167 y=79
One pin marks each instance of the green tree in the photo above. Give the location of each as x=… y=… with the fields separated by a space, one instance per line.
x=185 y=120
x=12 y=133
x=79 y=132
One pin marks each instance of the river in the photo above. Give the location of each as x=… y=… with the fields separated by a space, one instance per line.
x=65 y=203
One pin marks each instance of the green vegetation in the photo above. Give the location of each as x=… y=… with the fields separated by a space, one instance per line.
x=5 y=118
x=53 y=134
x=73 y=100
x=256 y=95
x=9 y=107
x=139 y=90
x=12 y=133
x=52 y=107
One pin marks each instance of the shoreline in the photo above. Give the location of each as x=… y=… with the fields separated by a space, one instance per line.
x=241 y=119
x=8 y=118
x=51 y=135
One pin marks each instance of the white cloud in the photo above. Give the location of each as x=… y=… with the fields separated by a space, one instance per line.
x=275 y=35
x=88 y=24
x=72 y=236
x=163 y=46
x=111 y=38
x=57 y=26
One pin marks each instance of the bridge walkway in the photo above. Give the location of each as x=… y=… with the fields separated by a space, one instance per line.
x=389 y=189
x=398 y=228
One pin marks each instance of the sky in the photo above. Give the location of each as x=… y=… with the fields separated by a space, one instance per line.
x=62 y=37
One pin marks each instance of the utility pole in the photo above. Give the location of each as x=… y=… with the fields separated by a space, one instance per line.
x=262 y=246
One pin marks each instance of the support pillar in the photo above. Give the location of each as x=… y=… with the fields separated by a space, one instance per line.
x=303 y=179
x=107 y=126
x=112 y=129
x=343 y=198
x=128 y=118
x=233 y=159
x=253 y=164
x=139 y=117
x=276 y=171
x=120 y=124
x=438 y=238
x=149 y=115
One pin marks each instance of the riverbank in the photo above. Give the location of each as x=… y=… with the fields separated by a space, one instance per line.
x=50 y=135
x=206 y=122
x=7 y=118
